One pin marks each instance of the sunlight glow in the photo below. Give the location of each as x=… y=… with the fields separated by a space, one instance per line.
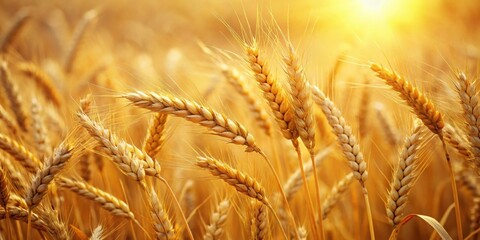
x=375 y=7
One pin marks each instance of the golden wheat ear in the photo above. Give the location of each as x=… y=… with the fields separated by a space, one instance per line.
x=107 y=201
x=216 y=122
x=421 y=105
x=407 y=170
x=162 y=225
x=218 y=218
x=273 y=92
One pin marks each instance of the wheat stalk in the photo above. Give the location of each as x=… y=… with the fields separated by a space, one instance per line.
x=107 y=201
x=215 y=230
x=194 y=112
x=406 y=171
x=259 y=114
x=273 y=92
x=40 y=183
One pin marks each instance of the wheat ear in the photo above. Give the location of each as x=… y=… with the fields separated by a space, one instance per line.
x=155 y=135
x=337 y=191
x=97 y=233
x=43 y=81
x=235 y=79
x=194 y=112
x=304 y=119
x=421 y=105
x=215 y=230
x=162 y=225
x=430 y=116
x=14 y=30
x=107 y=201
x=242 y=182
x=344 y=134
x=349 y=145
x=78 y=35
x=259 y=225
x=459 y=144
x=406 y=171
x=302 y=232
x=19 y=153
x=120 y=152
x=18 y=213
x=468 y=94
x=54 y=164
x=273 y=92
x=13 y=96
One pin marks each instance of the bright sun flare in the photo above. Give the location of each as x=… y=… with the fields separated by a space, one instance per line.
x=373 y=6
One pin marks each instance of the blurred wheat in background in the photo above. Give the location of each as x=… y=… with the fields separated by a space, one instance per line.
x=336 y=119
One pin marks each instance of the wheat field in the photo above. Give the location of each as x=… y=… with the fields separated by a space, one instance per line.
x=350 y=119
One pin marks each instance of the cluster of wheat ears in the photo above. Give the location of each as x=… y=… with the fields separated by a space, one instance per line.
x=68 y=170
